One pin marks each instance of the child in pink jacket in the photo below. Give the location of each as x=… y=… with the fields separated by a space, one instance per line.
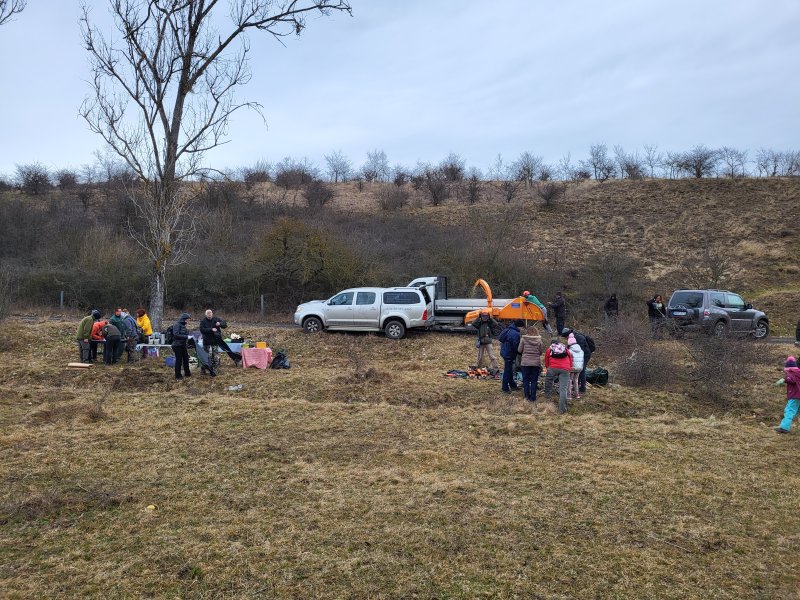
x=791 y=377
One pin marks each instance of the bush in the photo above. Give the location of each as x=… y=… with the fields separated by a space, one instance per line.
x=33 y=178
x=6 y=291
x=261 y=172
x=393 y=199
x=318 y=194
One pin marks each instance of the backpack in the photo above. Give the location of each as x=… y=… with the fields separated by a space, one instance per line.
x=598 y=376
x=279 y=361
x=169 y=336
x=558 y=350
x=590 y=343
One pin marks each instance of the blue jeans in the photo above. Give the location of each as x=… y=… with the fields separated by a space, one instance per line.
x=508 y=375
x=789 y=413
x=530 y=377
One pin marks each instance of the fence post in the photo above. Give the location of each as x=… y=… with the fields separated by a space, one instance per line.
x=61 y=300
x=262 y=305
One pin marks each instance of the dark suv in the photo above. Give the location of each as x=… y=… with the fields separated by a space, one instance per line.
x=716 y=312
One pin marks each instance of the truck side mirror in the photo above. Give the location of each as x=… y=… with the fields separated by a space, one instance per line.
x=748 y=306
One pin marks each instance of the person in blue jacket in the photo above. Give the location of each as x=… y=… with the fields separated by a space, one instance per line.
x=509 y=344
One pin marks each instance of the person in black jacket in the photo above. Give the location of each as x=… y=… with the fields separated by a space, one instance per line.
x=587 y=345
x=113 y=337
x=509 y=344
x=211 y=327
x=656 y=311
x=180 y=336
x=559 y=308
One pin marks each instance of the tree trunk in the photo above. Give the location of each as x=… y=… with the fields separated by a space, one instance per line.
x=157 y=287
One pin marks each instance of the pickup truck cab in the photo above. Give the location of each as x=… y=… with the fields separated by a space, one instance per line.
x=391 y=310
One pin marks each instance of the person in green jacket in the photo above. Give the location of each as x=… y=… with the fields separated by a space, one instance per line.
x=84 y=333
x=118 y=321
x=534 y=300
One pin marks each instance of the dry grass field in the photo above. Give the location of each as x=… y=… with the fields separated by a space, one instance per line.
x=362 y=472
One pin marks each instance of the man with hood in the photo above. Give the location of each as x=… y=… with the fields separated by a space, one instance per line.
x=791 y=377
x=509 y=343
x=180 y=336
x=84 y=334
x=485 y=326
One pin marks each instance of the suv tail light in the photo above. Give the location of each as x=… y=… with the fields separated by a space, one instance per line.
x=425 y=315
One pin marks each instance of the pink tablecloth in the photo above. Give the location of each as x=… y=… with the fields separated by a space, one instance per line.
x=256 y=357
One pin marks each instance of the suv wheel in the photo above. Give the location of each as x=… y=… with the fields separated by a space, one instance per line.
x=395 y=330
x=762 y=330
x=312 y=325
x=720 y=329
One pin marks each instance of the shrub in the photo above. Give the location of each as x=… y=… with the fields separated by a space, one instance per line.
x=318 y=194
x=261 y=172
x=33 y=178
x=393 y=199
x=6 y=291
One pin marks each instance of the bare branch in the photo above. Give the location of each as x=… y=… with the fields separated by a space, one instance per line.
x=9 y=8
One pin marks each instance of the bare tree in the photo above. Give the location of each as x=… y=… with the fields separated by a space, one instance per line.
x=599 y=163
x=33 y=178
x=735 y=161
x=700 y=161
x=630 y=165
x=162 y=96
x=505 y=179
x=339 y=166
x=376 y=168
x=528 y=167
x=550 y=191
x=9 y=8
x=473 y=187
x=652 y=158
x=453 y=167
x=565 y=169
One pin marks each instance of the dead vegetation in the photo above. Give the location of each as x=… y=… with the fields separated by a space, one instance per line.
x=364 y=472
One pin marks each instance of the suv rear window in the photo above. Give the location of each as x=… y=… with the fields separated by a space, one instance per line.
x=690 y=299
x=401 y=298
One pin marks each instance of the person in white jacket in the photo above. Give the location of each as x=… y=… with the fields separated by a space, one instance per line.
x=577 y=367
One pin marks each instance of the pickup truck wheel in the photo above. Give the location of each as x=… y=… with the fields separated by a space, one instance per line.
x=720 y=329
x=394 y=330
x=762 y=330
x=312 y=325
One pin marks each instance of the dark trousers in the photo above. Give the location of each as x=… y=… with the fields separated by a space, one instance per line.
x=112 y=350
x=508 y=375
x=181 y=360
x=93 y=349
x=130 y=348
x=530 y=379
x=559 y=324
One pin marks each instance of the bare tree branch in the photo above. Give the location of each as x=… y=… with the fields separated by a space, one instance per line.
x=9 y=8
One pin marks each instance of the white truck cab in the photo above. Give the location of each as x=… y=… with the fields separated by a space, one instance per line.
x=391 y=310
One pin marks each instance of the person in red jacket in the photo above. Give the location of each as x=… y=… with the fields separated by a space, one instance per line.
x=791 y=377
x=96 y=338
x=558 y=362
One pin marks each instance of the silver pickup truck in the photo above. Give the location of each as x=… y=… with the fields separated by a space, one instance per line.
x=391 y=310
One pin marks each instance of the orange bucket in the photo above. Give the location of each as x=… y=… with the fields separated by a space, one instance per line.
x=261 y=344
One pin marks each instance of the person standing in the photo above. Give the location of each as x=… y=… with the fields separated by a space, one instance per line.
x=611 y=308
x=143 y=322
x=587 y=345
x=180 y=337
x=509 y=344
x=559 y=308
x=211 y=328
x=791 y=377
x=113 y=336
x=485 y=325
x=530 y=348
x=558 y=362
x=577 y=367
x=118 y=321
x=84 y=334
x=656 y=311
x=130 y=334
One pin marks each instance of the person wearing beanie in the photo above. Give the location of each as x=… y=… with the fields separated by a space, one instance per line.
x=577 y=366
x=180 y=336
x=791 y=377
x=84 y=333
x=587 y=345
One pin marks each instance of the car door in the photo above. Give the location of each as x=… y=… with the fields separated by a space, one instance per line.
x=339 y=310
x=366 y=310
x=741 y=317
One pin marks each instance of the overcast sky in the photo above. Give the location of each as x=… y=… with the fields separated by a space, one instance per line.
x=422 y=78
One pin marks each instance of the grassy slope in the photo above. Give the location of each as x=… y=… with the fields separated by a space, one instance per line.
x=362 y=472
